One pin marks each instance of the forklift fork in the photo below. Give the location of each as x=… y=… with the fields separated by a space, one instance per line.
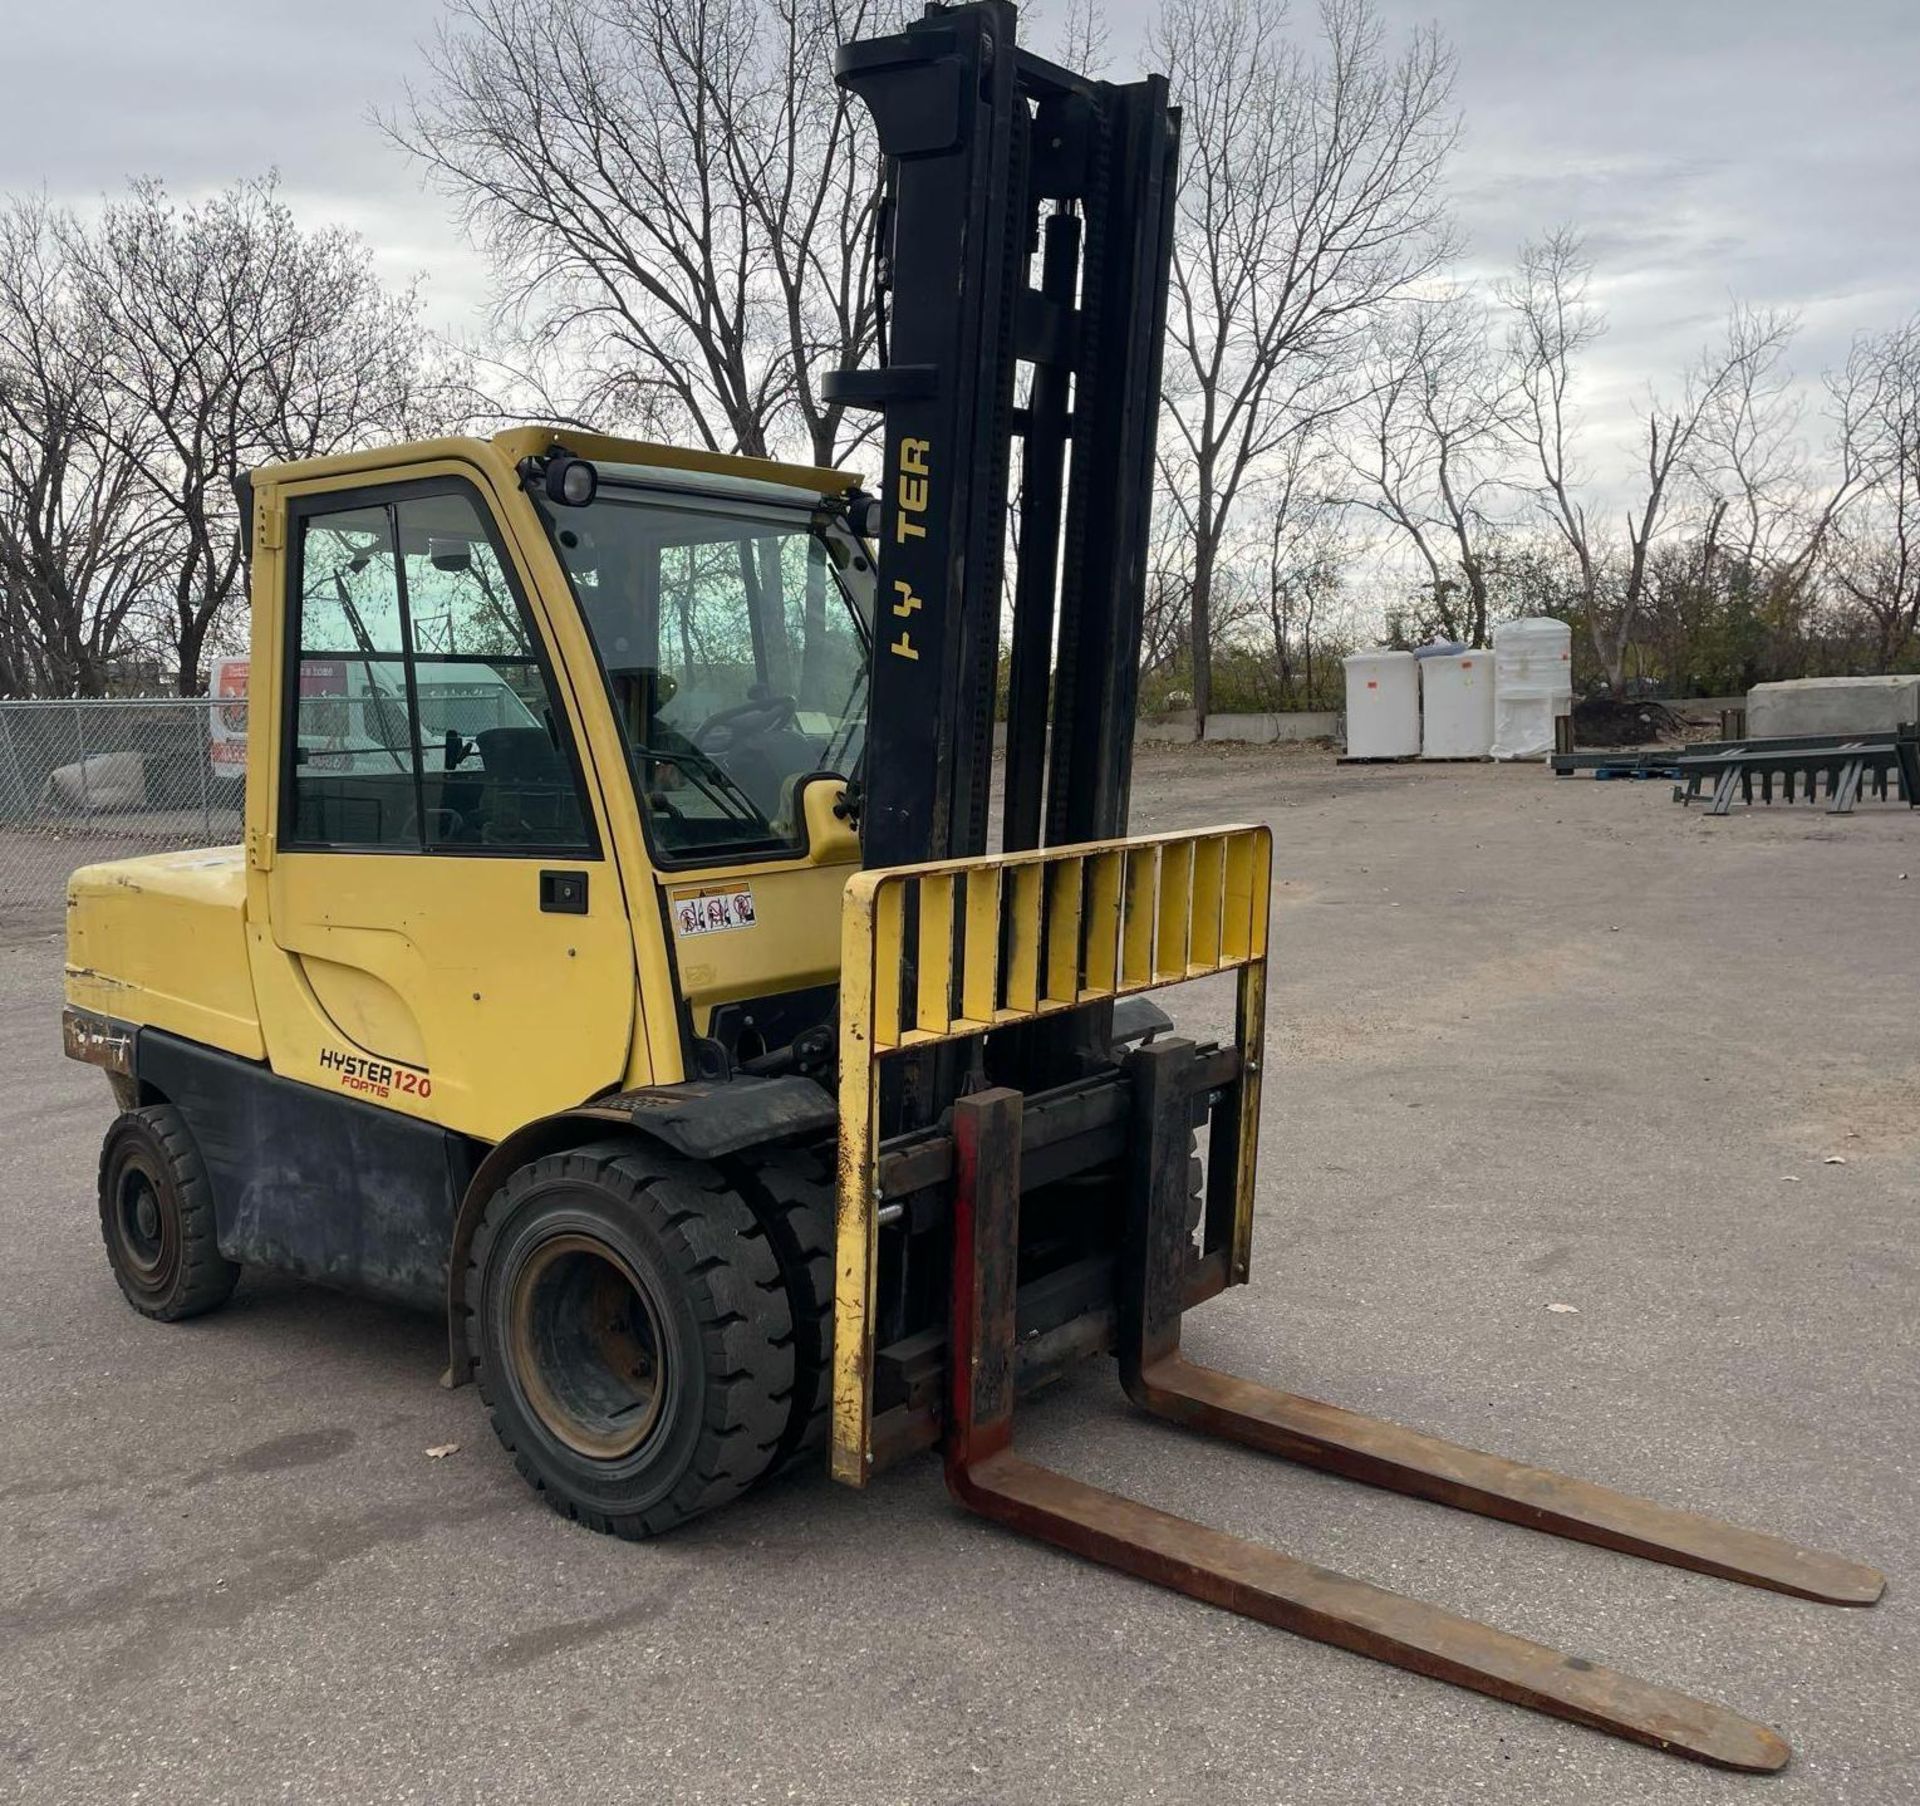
x=986 y=1475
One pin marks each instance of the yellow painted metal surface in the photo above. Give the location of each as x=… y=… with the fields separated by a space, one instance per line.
x=504 y=451
x=161 y=941
x=528 y=441
x=432 y=984
x=777 y=927
x=438 y=987
x=791 y=941
x=1011 y=937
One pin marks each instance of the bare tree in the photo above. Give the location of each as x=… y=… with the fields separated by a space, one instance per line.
x=674 y=196
x=1085 y=38
x=1310 y=197
x=80 y=533
x=814 y=181
x=1875 y=549
x=1429 y=446
x=1303 y=562
x=230 y=337
x=1554 y=323
x=1165 y=618
x=1771 y=512
x=1749 y=461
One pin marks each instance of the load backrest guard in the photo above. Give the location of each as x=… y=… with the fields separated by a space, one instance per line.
x=1012 y=938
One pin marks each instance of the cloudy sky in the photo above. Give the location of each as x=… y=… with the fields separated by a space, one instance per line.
x=1765 y=149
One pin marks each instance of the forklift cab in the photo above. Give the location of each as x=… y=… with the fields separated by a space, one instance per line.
x=489 y=714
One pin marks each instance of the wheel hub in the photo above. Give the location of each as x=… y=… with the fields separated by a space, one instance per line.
x=588 y=1346
x=144 y=1227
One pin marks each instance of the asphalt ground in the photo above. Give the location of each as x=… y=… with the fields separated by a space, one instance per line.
x=1533 y=1042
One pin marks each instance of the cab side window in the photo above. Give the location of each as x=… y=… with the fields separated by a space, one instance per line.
x=423 y=717
x=352 y=765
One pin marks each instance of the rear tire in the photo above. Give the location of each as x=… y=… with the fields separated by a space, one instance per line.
x=157 y=1220
x=631 y=1335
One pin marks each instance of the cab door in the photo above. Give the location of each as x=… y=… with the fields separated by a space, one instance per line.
x=445 y=932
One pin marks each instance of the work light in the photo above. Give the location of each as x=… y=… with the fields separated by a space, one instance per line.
x=571 y=481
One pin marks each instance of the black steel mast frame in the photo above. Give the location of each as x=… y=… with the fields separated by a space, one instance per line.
x=980 y=137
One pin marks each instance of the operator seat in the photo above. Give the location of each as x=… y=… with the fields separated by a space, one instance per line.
x=527 y=788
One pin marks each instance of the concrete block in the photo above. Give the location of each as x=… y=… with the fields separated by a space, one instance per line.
x=1833 y=705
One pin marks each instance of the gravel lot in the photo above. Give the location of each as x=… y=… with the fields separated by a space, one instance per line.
x=1533 y=1042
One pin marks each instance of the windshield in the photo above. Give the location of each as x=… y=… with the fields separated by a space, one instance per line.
x=735 y=657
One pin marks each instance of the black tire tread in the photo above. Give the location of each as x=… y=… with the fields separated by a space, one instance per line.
x=739 y=1297
x=207 y=1277
x=792 y=1192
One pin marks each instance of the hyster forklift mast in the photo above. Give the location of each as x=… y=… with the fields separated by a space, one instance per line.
x=952 y=967
x=980 y=136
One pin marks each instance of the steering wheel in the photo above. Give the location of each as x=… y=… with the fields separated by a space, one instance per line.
x=727 y=728
x=445 y=824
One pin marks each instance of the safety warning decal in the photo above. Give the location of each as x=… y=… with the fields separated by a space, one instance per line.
x=711 y=911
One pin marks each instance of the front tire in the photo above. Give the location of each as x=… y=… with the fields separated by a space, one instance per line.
x=791 y=1191
x=157 y=1220
x=631 y=1334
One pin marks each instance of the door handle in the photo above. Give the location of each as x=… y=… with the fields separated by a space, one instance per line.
x=563 y=893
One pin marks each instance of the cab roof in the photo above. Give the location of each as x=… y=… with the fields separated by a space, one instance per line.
x=509 y=448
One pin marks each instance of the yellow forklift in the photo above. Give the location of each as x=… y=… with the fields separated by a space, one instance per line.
x=615 y=960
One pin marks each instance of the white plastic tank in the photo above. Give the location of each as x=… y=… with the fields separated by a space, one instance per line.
x=1532 y=683
x=1456 y=706
x=1383 y=706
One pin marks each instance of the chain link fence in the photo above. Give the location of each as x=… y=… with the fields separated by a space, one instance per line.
x=103 y=779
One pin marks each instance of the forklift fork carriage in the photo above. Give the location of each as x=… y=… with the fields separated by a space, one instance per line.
x=1016 y=937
